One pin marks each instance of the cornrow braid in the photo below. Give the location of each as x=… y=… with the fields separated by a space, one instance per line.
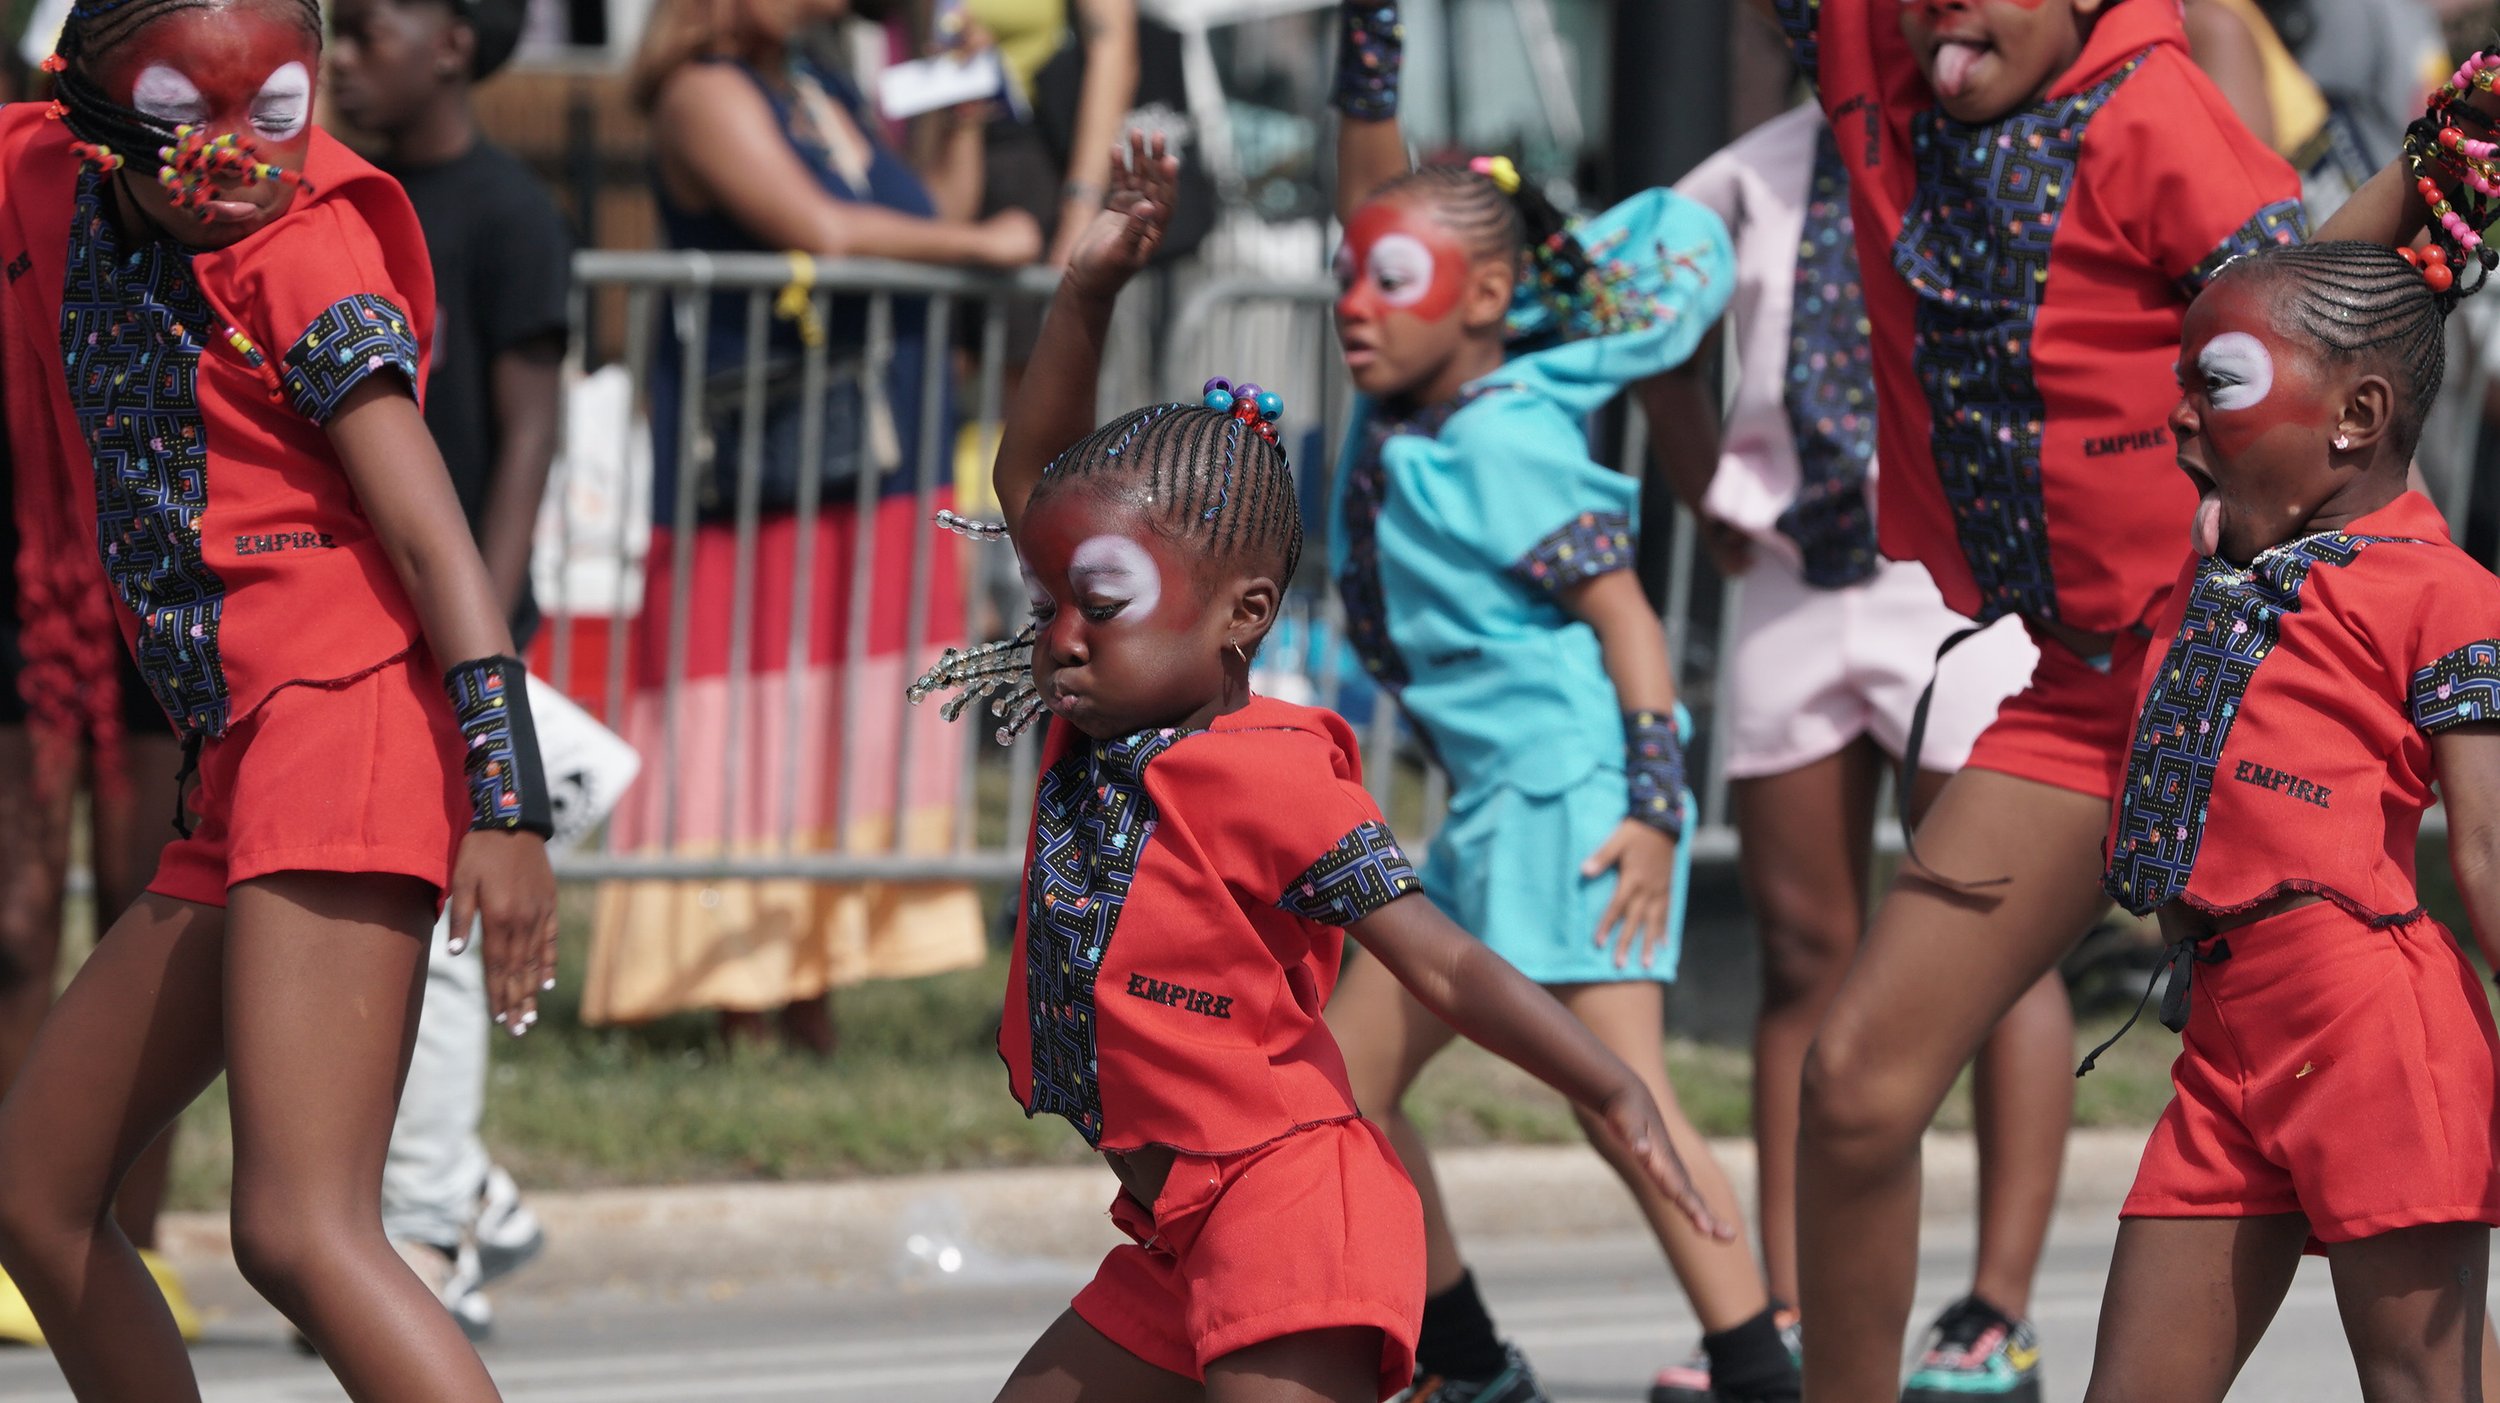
x=2362 y=303
x=1520 y=224
x=1209 y=477
x=95 y=27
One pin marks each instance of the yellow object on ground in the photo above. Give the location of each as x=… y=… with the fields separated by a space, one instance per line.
x=17 y=1319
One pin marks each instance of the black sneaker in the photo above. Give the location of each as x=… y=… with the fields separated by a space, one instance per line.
x=1689 y=1382
x=1515 y=1384
x=1977 y=1352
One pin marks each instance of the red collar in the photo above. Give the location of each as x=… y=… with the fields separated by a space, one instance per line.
x=2125 y=28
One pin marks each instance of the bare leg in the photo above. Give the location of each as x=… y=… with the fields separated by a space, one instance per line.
x=1802 y=855
x=2412 y=1302
x=1938 y=970
x=1317 y=1366
x=1388 y=1038
x=128 y=836
x=2023 y=1101
x=133 y=1041
x=2188 y=1300
x=34 y=858
x=1073 y=1363
x=1720 y=1278
x=324 y=973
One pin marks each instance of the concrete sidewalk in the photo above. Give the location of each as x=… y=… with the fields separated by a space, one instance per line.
x=1004 y=1221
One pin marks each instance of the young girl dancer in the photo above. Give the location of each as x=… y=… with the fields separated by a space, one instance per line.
x=1832 y=649
x=1195 y=851
x=2330 y=656
x=2038 y=188
x=214 y=323
x=1484 y=560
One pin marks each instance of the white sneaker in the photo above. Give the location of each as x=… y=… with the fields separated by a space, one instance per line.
x=507 y=1234
x=454 y=1278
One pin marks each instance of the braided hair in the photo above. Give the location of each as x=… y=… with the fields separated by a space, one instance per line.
x=2363 y=304
x=1209 y=479
x=1521 y=225
x=95 y=27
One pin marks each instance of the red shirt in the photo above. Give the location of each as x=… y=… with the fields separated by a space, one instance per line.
x=2026 y=279
x=2283 y=740
x=166 y=406
x=1181 y=927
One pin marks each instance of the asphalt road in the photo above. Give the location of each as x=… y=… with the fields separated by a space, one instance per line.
x=1597 y=1316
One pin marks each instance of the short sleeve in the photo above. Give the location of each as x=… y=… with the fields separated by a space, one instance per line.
x=1800 y=23
x=1526 y=492
x=527 y=282
x=1365 y=871
x=321 y=294
x=1292 y=826
x=2183 y=177
x=2455 y=663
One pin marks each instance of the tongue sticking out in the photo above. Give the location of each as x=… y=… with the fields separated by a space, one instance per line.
x=2205 y=534
x=1954 y=61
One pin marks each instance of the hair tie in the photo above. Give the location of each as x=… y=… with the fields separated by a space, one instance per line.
x=1500 y=170
x=1258 y=408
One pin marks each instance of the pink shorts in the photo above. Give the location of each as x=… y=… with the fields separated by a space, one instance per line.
x=1814 y=669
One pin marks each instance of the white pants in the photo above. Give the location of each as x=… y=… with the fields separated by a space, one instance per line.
x=437 y=1165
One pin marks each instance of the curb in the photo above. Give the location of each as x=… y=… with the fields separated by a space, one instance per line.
x=1037 y=1223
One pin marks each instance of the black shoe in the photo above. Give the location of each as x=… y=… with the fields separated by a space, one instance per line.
x=1515 y=1384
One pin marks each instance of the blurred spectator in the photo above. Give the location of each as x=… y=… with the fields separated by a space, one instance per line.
x=1020 y=169
x=2237 y=46
x=759 y=146
x=400 y=71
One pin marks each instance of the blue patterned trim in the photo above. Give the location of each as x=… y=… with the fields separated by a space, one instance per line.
x=1365 y=494
x=1364 y=872
x=499 y=747
x=1653 y=762
x=1092 y=820
x=1830 y=392
x=2234 y=616
x=1975 y=250
x=2282 y=222
x=1371 y=44
x=2461 y=688
x=1799 y=21
x=353 y=338
x=132 y=332
x=1576 y=552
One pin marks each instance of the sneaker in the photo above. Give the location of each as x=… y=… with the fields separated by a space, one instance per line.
x=1689 y=1382
x=1975 y=1351
x=452 y=1275
x=1515 y=1384
x=177 y=1300
x=508 y=1235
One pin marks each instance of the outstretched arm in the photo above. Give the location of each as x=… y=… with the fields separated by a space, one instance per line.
x=1477 y=992
x=2469 y=783
x=1055 y=404
x=1371 y=151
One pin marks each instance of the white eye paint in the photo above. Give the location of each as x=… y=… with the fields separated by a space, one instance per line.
x=1402 y=267
x=166 y=95
x=1118 y=568
x=2238 y=370
x=284 y=104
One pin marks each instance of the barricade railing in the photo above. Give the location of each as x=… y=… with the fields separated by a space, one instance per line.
x=774 y=736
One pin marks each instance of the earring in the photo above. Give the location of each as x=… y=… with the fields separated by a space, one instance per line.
x=1241 y=653
x=2343 y=441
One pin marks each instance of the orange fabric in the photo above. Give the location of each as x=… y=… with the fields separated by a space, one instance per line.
x=360 y=777
x=1190 y=1015
x=2165 y=177
x=2332 y=1069
x=2067 y=727
x=1318 y=1231
x=2325 y=768
x=324 y=601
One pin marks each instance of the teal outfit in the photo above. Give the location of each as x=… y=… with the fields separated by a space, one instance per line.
x=1452 y=530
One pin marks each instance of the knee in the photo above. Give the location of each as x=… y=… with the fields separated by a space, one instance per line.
x=1857 y=1109
x=38 y=1210
x=279 y=1252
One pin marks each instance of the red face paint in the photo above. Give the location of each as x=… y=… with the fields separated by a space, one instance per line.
x=1398 y=259
x=243 y=71
x=2254 y=419
x=1128 y=635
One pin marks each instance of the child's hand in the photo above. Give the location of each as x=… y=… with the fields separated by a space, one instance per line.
x=504 y=878
x=1631 y=1120
x=1115 y=246
x=1643 y=860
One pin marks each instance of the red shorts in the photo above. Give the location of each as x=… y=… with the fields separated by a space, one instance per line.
x=1317 y=1231
x=363 y=776
x=2071 y=725
x=2335 y=1070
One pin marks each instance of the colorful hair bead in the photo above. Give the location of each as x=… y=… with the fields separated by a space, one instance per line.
x=1500 y=170
x=56 y=65
x=1218 y=395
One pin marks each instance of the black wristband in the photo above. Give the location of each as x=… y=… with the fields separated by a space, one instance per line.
x=1371 y=46
x=507 y=778
x=1653 y=761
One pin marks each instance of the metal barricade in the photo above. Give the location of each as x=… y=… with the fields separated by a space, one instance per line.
x=733 y=778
